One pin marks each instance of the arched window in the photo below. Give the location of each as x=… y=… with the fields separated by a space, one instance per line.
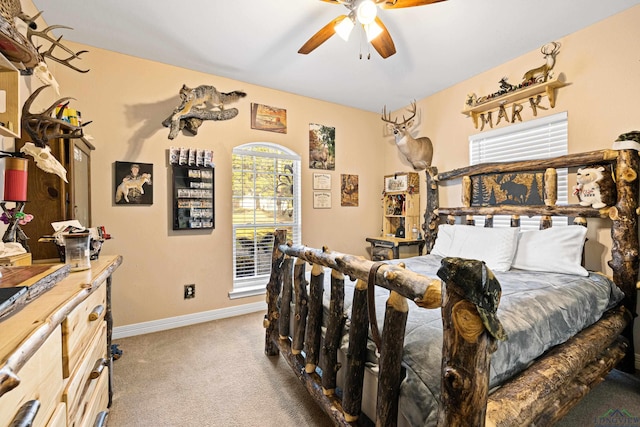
x=266 y=196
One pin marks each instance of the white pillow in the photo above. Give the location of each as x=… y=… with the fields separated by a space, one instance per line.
x=494 y=246
x=556 y=250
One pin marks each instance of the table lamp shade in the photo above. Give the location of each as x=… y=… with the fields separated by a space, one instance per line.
x=15 y=179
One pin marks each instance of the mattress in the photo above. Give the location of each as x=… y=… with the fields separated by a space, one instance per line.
x=537 y=310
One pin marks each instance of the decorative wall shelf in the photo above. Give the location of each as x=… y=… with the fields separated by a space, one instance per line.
x=547 y=89
x=10 y=85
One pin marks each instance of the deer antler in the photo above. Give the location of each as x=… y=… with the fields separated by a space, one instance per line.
x=43 y=127
x=386 y=119
x=44 y=34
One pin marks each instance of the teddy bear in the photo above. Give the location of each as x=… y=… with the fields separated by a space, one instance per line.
x=595 y=187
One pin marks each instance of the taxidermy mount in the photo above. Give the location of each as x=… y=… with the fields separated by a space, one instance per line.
x=418 y=151
x=192 y=110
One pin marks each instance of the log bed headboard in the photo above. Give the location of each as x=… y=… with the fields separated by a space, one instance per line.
x=540 y=398
x=625 y=165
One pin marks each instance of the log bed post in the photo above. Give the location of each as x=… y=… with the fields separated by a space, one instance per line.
x=470 y=328
x=390 y=377
x=301 y=307
x=333 y=336
x=285 y=302
x=356 y=354
x=431 y=216
x=273 y=290
x=624 y=233
x=313 y=333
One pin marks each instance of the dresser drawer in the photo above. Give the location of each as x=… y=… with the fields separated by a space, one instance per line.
x=85 y=379
x=80 y=327
x=59 y=417
x=41 y=380
x=96 y=404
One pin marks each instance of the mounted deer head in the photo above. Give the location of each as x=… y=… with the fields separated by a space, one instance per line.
x=541 y=74
x=418 y=151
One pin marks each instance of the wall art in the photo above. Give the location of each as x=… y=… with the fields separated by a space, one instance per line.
x=349 y=190
x=133 y=183
x=321 y=181
x=322 y=199
x=322 y=147
x=272 y=119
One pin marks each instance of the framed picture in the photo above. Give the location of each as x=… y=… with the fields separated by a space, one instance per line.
x=321 y=181
x=348 y=190
x=394 y=183
x=321 y=199
x=322 y=147
x=133 y=183
x=267 y=118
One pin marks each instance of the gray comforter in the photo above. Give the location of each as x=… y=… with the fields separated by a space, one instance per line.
x=537 y=310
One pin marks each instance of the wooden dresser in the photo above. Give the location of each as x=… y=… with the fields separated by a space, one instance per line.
x=55 y=353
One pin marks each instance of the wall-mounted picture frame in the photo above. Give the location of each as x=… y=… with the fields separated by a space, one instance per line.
x=348 y=190
x=394 y=183
x=322 y=147
x=322 y=199
x=321 y=181
x=132 y=183
x=271 y=119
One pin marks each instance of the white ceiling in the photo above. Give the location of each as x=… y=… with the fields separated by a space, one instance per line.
x=256 y=41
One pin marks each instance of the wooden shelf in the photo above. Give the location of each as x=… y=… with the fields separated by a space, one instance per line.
x=547 y=88
x=10 y=84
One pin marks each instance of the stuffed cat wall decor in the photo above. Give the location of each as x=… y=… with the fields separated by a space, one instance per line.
x=595 y=187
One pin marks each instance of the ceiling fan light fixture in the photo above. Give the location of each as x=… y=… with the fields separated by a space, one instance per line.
x=372 y=30
x=367 y=12
x=344 y=28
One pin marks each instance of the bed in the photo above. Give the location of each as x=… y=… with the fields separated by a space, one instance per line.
x=465 y=335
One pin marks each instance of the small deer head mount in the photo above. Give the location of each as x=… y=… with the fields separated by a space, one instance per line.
x=418 y=151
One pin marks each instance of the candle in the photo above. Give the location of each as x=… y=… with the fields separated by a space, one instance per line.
x=15 y=179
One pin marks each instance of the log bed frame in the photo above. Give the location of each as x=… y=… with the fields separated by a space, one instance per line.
x=540 y=395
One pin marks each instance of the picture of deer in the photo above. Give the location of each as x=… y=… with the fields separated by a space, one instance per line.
x=418 y=151
x=542 y=73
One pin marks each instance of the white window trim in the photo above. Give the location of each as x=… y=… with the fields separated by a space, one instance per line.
x=251 y=286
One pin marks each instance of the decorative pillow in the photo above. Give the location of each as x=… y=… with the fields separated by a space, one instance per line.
x=494 y=246
x=555 y=250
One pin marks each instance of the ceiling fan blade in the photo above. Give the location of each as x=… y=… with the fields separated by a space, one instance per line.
x=383 y=44
x=321 y=36
x=332 y=1
x=397 y=4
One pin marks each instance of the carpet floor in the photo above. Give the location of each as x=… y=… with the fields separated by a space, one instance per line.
x=216 y=374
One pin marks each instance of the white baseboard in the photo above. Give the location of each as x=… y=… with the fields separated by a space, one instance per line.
x=186 y=320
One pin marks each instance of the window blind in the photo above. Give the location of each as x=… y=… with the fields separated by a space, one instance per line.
x=537 y=139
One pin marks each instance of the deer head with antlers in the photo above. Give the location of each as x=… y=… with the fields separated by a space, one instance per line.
x=418 y=151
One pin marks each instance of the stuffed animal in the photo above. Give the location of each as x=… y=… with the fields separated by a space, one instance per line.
x=595 y=187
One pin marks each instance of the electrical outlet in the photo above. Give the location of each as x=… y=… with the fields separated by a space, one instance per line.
x=189 y=291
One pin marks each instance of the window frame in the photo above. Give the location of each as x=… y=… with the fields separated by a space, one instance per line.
x=255 y=284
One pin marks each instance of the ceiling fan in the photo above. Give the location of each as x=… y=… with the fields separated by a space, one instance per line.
x=363 y=12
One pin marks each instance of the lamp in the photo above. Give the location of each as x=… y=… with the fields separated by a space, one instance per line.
x=344 y=28
x=366 y=12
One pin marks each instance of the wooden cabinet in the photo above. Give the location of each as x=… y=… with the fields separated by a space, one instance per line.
x=56 y=350
x=400 y=219
x=50 y=199
x=401 y=210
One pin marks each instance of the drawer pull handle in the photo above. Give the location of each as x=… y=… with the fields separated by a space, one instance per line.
x=27 y=414
x=101 y=419
x=96 y=313
x=97 y=368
